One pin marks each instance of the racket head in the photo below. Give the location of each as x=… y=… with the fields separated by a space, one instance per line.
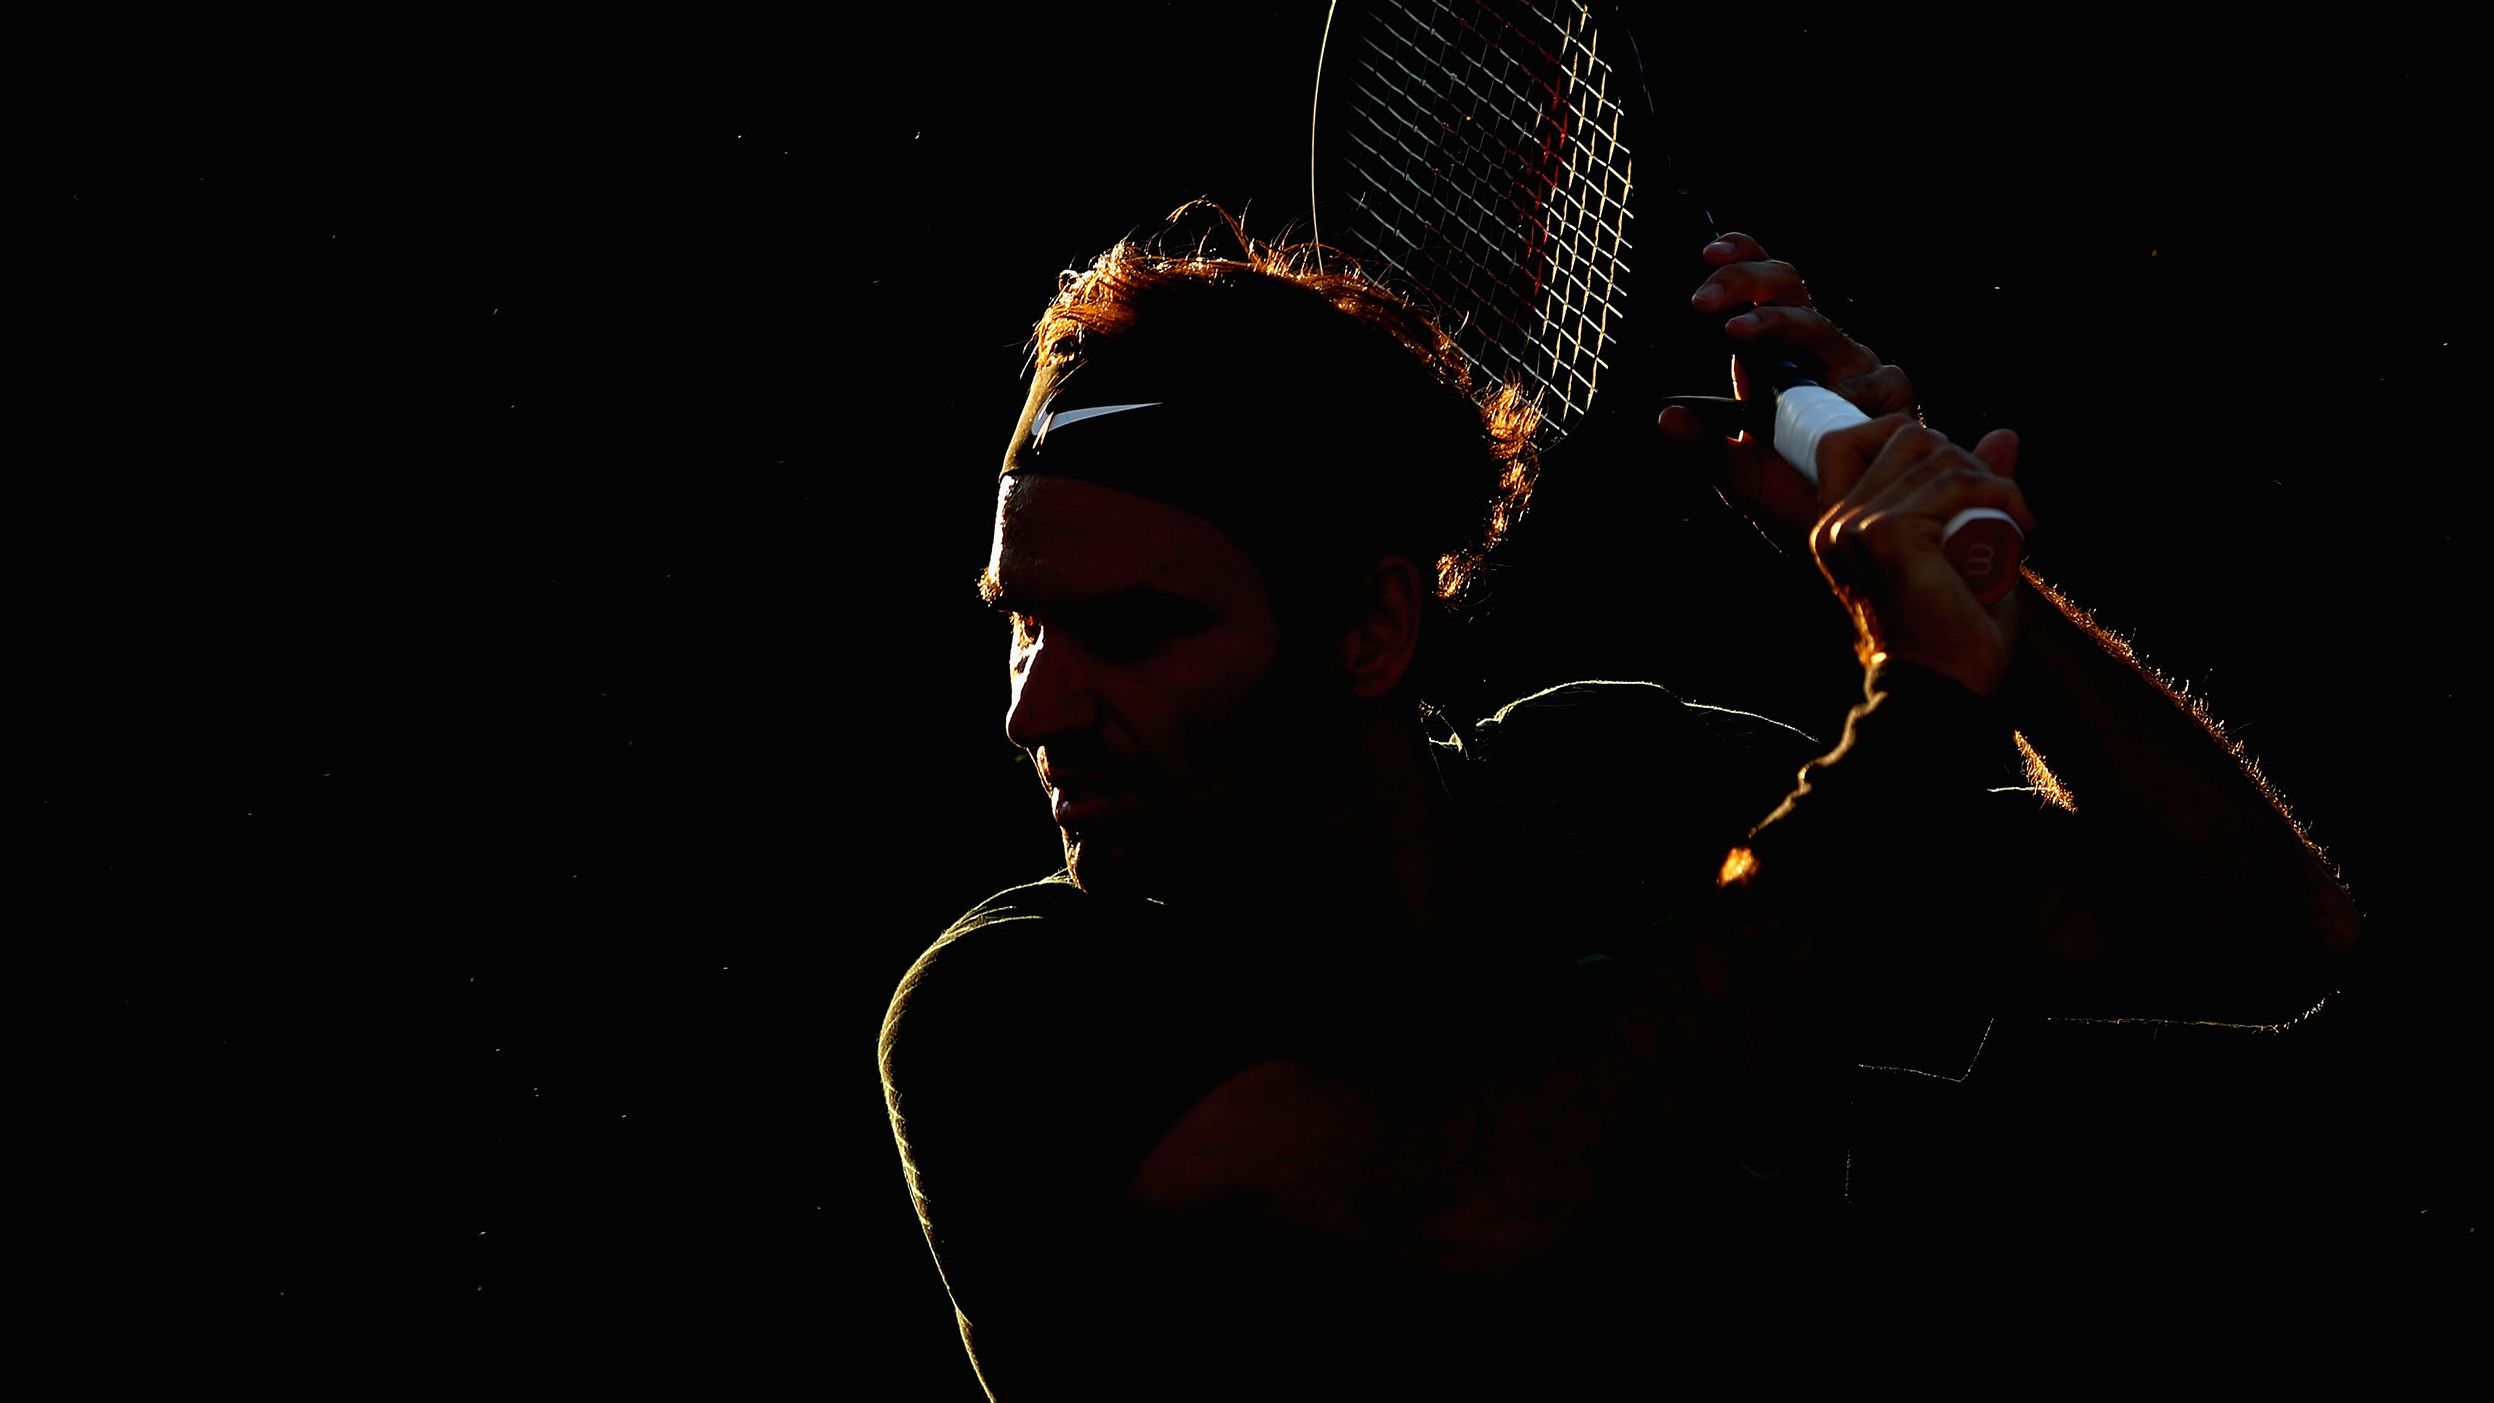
x=1496 y=158
x=1393 y=158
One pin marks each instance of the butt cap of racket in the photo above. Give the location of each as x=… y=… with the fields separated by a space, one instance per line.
x=1985 y=545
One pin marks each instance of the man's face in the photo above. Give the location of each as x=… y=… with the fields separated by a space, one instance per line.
x=1151 y=684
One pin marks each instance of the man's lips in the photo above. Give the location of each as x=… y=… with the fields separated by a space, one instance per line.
x=1076 y=799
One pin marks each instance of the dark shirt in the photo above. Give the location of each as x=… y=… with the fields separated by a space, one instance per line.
x=1686 y=1041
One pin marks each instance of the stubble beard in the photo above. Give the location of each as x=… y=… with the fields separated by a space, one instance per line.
x=1281 y=792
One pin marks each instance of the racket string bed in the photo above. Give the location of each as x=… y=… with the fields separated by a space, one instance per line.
x=1488 y=167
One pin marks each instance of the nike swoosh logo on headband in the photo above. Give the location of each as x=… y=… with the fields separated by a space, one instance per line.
x=1059 y=418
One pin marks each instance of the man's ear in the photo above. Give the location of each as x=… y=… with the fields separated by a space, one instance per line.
x=1384 y=632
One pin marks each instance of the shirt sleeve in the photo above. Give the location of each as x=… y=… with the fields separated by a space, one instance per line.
x=1030 y=1058
x=983 y=1074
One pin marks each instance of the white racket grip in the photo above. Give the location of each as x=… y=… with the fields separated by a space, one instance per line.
x=1972 y=515
x=1987 y=559
x=1806 y=414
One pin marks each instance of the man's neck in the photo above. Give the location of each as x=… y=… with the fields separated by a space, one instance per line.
x=1390 y=848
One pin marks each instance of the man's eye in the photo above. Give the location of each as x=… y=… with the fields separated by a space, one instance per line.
x=1125 y=642
x=1131 y=632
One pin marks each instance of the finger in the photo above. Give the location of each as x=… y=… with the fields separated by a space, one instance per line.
x=1936 y=485
x=1732 y=248
x=1837 y=544
x=1999 y=452
x=1913 y=458
x=1846 y=455
x=1682 y=424
x=1768 y=489
x=1887 y=390
x=1868 y=539
x=1748 y=472
x=1760 y=281
x=1807 y=336
x=1938 y=494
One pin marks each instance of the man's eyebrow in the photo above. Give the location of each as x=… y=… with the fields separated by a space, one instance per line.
x=994 y=595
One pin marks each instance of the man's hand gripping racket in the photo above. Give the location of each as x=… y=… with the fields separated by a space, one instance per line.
x=1920 y=537
x=1818 y=383
x=1501 y=157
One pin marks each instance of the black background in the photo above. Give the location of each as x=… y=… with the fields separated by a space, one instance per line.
x=508 y=700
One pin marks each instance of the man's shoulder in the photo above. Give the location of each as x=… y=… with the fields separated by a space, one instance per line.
x=1051 y=897
x=1602 y=711
x=1632 y=789
x=1006 y=936
x=1020 y=954
x=990 y=971
x=1608 y=743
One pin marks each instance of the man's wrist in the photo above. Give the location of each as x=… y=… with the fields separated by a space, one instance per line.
x=1949 y=730
x=2053 y=651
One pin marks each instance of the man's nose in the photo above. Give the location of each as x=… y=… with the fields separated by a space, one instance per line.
x=1054 y=693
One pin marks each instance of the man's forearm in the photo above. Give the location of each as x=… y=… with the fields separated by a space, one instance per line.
x=2209 y=901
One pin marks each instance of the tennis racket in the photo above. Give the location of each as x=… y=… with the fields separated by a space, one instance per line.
x=1497 y=156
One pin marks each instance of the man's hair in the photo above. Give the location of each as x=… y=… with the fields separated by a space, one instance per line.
x=1410 y=456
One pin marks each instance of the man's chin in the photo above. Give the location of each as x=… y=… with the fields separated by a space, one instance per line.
x=1097 y=863
x=1108 y=863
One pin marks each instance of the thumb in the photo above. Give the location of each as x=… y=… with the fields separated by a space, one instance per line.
x=1745 y=469
x=1767 y=487
x=1848 y=453
x=1999 y=452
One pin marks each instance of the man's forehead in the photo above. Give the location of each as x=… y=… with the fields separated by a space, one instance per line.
x=1059 y=539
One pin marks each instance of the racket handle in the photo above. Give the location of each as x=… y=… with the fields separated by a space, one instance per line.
x=1984 y=543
